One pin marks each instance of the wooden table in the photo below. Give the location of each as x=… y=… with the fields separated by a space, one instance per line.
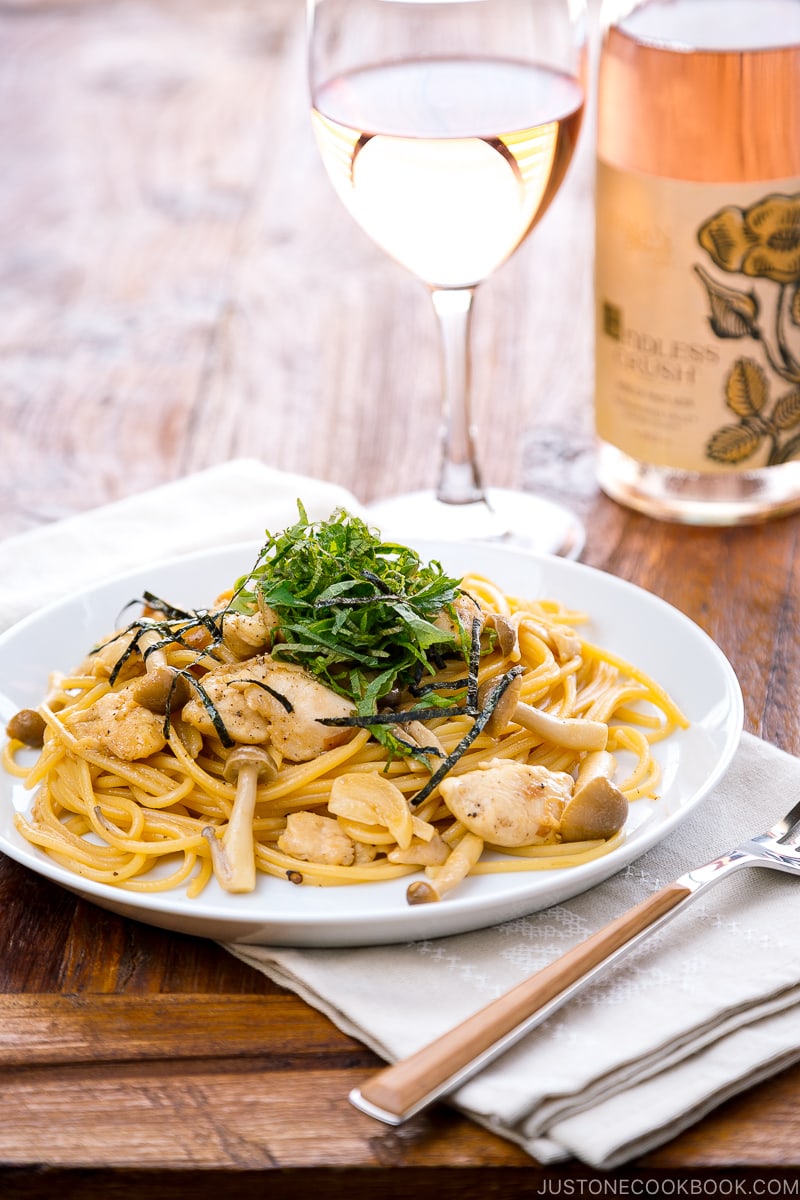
x=179 y=287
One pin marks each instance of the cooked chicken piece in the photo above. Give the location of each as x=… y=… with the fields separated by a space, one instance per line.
x=244 y=633
x=508 y=803
x=253 y=715
x=422 y=854
x=225 y=686
x=295 y=730
x=364 y=853
x=467 y=611
x=269 y=616
x=118 y=724
x=316 y=839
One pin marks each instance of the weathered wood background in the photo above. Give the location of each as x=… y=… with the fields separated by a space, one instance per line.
x=181 y=286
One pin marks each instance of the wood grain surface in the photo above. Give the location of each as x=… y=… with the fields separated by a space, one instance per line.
x=178 y=287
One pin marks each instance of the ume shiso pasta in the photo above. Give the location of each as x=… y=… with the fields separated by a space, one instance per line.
x=344 y=713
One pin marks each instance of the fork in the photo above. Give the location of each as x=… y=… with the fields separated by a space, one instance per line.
x=398 y=1092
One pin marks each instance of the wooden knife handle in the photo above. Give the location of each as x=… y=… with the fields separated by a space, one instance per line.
x=401 y=1087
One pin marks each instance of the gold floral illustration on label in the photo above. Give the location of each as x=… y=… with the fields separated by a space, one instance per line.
x=761 y=242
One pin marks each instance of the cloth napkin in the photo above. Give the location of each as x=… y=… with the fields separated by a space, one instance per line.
x=705 y=1007
x=233 y=502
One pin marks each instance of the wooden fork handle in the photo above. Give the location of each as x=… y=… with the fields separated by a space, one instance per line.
x=397 y=1092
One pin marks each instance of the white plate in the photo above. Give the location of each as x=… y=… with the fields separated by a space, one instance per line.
x=624 y=619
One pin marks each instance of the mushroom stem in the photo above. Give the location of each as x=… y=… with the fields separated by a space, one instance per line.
x=596 y=765
x=457 y=866
x=233 y=858
x=574 y=733
x=160 y=686
x=415 y=734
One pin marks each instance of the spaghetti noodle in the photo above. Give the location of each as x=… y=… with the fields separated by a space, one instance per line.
x=336 y=787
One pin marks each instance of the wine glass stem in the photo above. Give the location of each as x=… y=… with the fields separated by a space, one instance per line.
x=459 y=477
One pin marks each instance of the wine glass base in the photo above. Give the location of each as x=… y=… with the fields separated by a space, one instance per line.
x=516 y=519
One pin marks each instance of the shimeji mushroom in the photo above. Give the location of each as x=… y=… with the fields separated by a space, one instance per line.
x=574 y=733
x=507 y=632
x=561 y=640
x=597 y=808
x=233 y=858
x=421 y=740
x=161 y=686
x=27 y=726
x=443 y=879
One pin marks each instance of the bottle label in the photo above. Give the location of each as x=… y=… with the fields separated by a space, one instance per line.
x=698 y=321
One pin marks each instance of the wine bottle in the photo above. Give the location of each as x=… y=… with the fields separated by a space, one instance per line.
x=698 y=258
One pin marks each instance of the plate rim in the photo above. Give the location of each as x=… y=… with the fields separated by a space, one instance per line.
x=171 y=906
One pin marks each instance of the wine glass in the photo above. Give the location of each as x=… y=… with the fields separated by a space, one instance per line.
x=446 y=128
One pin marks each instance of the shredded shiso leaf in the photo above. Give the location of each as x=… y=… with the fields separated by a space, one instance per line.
x=357 y=612
x=360 y=614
